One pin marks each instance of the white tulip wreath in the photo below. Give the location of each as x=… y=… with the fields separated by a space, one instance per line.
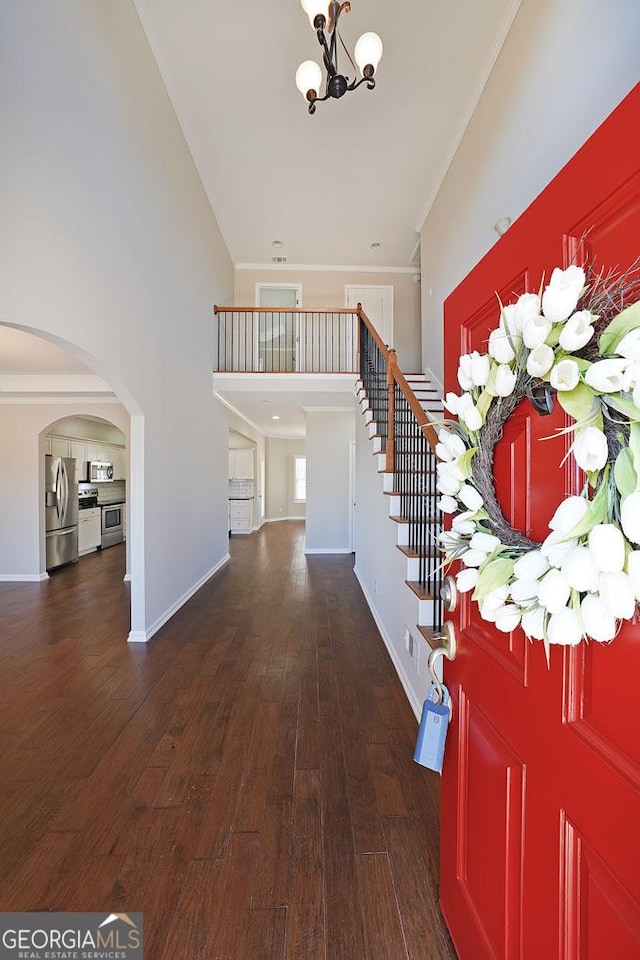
x=581 y=339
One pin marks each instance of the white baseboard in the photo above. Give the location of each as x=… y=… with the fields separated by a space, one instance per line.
x=143 y=636
x=321 y=550
x=415 y=705
x=278 y=519
x=23 y=577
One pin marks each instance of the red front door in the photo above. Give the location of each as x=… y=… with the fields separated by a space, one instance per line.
x=540 y=850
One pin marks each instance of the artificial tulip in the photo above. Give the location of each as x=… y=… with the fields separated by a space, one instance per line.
x=629 y=346
x=524 y=592
x=500 y=346
x=470 y=416
x=505 y=381
x=569 y=513
x=540 y=361
x=466 y=580
x=562 y=294
x=484 y=541
x=450 y=445
x=616 y=591
x=633 y=571
x=507 y=618
x=590 y=449
x=447 y=504
x=531 y=566
x=564 y=628
x=598 y=622
x=556 y=547
x=533 y=623
x=606 y=544
x=607 y=376
x=451 y=402
x=536 y=330
x=554 y=590
x=630 y=517
x=565 y=375
x=577 y=331
x=580 y=570
x=470 y=497
x=474 y=558
x=463 y=523
x=527 y=306
x=448 y=485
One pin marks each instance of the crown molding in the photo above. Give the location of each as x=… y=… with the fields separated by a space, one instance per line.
x=324 y=268
x=53 y=383
x=75 y=398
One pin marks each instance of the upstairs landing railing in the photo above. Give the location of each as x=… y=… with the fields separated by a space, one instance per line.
x=286 y=340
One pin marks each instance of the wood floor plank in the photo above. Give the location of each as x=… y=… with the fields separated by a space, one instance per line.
x=245 y=779
x=305 y=915
x=384 y=939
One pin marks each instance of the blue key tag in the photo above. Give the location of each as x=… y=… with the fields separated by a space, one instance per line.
x=432 y=732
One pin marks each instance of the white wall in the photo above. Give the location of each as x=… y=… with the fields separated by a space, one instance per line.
x=329 y=435
x=109 y=244
x=325 y=289
x=279 y=476
x=563 y=68
x=22 y=431
x=381 y=570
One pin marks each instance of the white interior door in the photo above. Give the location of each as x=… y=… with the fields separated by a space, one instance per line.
x=377 y=303
x=277 y=335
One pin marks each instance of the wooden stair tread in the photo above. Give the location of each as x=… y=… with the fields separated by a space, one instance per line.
x=432 y=521
x=420 y=592
x=414 y=555
x=429 y=636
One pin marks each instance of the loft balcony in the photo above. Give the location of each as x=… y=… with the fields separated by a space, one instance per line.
x=287 y=341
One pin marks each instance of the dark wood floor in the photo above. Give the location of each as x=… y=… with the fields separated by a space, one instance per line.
x=246 y=780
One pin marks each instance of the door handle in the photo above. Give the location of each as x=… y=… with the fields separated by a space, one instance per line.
x=449 y=594
x=448 y=649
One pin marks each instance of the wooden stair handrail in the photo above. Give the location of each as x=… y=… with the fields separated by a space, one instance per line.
x=217 y=310
x=382 y=347
x=420 y=415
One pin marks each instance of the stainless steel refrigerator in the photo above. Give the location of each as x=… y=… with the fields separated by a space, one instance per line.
x=61 y=510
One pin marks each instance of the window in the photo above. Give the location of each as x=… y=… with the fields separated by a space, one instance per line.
x=299 y=479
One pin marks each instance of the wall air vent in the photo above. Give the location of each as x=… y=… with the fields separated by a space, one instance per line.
x=279 y=259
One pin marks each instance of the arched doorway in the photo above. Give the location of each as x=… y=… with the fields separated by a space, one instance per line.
x=44 y=380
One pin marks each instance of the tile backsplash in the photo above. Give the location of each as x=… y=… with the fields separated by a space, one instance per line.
x=113 y=492
x=241 y=488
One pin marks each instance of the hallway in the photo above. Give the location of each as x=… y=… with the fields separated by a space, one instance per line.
x=246 y=780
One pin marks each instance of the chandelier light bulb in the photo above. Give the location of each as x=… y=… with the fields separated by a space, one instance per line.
x=314 y=8
x=308 y=77
x=368 y=51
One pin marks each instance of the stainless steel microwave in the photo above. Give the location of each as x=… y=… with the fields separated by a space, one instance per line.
x=99 y=472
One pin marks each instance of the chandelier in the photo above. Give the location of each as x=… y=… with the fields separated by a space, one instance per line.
x=367 y=53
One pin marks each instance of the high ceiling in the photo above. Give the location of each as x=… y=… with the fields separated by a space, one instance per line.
x=365 y=168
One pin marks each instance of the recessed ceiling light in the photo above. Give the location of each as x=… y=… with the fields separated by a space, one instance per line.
x=276 y=243
x=265 y=401
x=376 y=245
x=275 y=417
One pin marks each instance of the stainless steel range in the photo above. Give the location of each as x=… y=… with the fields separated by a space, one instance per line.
x=112 y=527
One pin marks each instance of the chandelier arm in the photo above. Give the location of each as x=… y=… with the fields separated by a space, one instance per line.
x=326 y=53
x=355 y=69
x=312 y=103
x=370 y=82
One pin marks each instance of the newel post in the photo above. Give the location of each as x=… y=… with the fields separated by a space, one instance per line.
x=392 y=363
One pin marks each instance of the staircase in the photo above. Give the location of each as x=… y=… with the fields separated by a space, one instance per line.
x=398 y=415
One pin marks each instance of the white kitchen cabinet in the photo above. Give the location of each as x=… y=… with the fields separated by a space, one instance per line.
x=89 y=529
x=241 y=516
x=59 y=447
x=78 y=450
x=241 y=464
x=99 y=451
x=118 y=458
